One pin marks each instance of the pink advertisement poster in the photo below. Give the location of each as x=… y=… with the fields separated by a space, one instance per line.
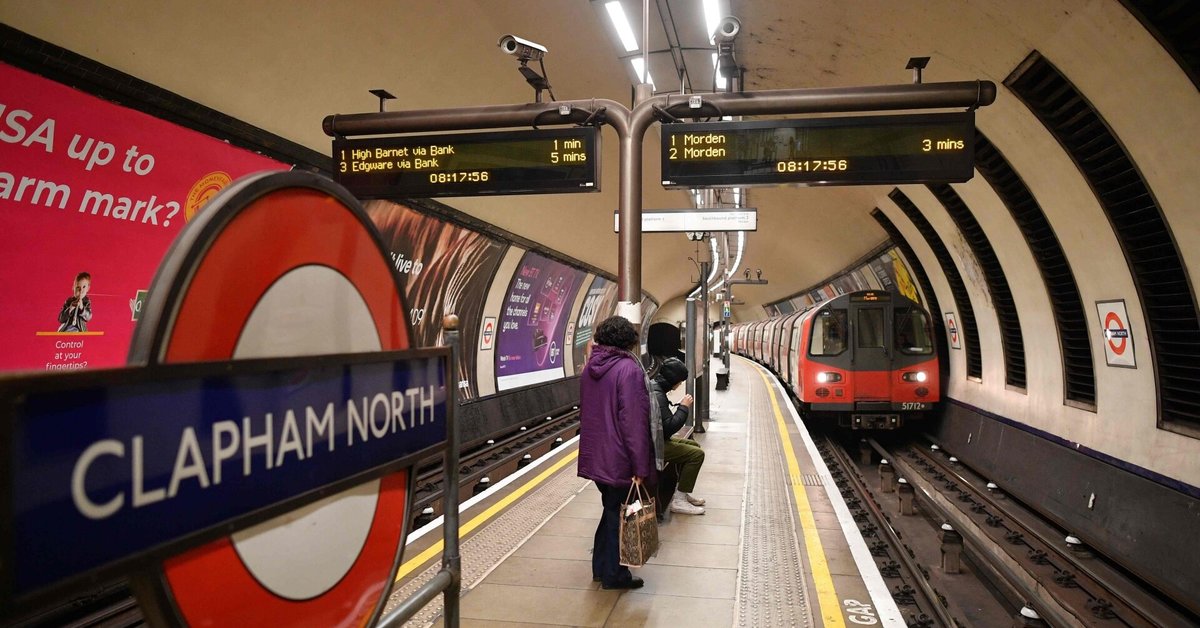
x=91 y=196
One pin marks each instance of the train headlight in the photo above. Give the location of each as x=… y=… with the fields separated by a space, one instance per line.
x=915 y=376
x=827 y=377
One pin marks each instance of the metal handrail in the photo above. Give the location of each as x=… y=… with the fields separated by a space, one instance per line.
x=447 y=581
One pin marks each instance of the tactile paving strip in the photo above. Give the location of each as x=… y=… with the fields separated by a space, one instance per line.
x=771 y=587
x=494 y=542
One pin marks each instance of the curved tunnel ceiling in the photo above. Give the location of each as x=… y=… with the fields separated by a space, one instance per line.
x=282 y=67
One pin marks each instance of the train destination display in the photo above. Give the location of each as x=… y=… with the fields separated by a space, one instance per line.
x=469 y=164
x=919 y=148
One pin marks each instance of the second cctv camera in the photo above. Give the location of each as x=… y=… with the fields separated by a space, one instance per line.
x=727 y=29
x=522 y=49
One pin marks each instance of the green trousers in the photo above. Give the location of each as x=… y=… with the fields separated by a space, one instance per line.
x=688 y=455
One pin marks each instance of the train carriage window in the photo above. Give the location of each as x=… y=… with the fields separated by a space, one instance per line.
x=868 y=331
x=913 y=336
x=828 y=333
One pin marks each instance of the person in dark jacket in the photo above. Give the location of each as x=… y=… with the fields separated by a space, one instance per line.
x=686 y=454
x=615 y=443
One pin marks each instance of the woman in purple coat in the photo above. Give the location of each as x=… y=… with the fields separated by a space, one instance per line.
x=615 y=443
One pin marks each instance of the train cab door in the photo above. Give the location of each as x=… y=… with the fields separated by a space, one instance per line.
x=870 y=345
x=793 y=353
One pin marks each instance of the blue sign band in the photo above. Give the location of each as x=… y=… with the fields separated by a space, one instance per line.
x=101 y=472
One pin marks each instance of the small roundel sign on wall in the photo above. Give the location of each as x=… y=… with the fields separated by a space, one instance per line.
x=1118 y=339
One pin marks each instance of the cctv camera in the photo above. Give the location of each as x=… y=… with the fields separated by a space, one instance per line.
x=727 y=29
x=523 y=49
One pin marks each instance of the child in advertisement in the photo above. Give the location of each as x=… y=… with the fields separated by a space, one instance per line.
x=77 y=310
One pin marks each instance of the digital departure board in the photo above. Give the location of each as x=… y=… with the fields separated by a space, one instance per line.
x=918 y=148
x=867 y=297
x=470 y=164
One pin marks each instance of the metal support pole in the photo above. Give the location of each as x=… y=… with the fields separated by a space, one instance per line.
x=645 y=41
x=629 y=208
x=702 y=344
x=689 y=354
x=451 y=557
x=448 y=581
x=728 y=331
x=725 y=345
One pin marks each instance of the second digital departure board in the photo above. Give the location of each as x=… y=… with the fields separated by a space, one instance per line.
x=918 y=148
x=470 y=164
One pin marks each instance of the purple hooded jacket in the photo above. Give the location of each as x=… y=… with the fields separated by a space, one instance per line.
x=614 y=424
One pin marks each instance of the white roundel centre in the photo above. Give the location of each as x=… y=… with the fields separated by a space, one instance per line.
x=311 y=310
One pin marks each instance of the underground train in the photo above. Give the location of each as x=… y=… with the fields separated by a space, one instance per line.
x=862 y=360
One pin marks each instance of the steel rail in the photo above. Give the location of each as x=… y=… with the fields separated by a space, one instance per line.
x=850 y=471
x=1114 y=583
x=1066 y=602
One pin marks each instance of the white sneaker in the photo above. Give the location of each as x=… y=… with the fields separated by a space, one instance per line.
x=695 y=501
x=681 y=506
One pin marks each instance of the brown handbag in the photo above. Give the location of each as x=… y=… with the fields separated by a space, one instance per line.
x=639 y=527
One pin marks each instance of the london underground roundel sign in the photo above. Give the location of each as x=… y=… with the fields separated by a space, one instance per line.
x=1118 y=339
x=279 y=265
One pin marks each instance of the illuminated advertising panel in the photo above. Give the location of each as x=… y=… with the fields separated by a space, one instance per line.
x=599 y=304
x=444 y=269
x=92 y=194
x=533 y=321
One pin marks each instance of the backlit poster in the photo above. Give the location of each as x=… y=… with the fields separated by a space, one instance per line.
x=599 y=304
x=91 y=196
x=533 y=321
x=901 y=275
x=444 y=269
x=888 y=269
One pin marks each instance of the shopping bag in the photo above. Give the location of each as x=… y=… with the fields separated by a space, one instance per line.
x=639 y=527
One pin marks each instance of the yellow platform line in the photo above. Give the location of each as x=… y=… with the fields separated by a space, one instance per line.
x=827 y=598
x=420 y=559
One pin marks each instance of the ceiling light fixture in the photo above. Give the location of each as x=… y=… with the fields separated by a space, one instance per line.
x=712 y=17
x=616 y=13
x=640 y=72
x=741 y=247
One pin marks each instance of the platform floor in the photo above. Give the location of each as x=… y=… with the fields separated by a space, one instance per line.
x=772 y=548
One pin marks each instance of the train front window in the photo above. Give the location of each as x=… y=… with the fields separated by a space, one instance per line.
x=913 y=335
x=868 y=332
x=828 y=333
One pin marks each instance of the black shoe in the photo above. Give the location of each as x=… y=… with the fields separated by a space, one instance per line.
x=595 y=578
x=633 y=582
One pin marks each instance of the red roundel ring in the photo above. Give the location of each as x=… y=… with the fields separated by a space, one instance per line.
x=1112 y=321
x=249 y=237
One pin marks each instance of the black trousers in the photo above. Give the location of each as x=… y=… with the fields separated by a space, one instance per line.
x=606 y=550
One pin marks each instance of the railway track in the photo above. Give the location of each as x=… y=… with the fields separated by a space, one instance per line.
x=493 y=460
x=983 y=558
x=917 y=599
x=1065 y=582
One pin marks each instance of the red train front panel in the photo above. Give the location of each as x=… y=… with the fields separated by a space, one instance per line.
x=867 y=360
